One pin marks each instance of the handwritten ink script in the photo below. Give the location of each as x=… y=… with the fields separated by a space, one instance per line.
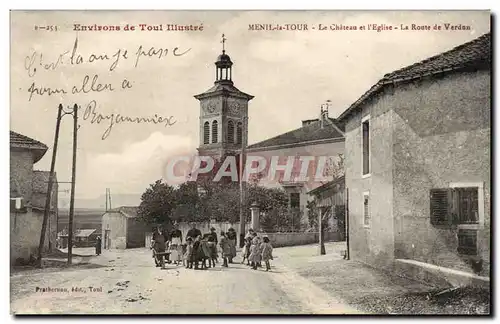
x=37 y=63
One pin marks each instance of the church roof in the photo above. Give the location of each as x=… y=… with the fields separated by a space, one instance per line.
x=303 y=135
x=473 y=54
x=223 y=87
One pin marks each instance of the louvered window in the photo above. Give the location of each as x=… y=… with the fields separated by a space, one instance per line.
x=230 y=132
x=215 y=130
x=206 y=133
x=239 y=133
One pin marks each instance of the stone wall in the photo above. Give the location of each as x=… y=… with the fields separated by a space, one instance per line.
x=293 y=239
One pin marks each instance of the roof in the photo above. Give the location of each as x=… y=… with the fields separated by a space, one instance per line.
x=308 y=133
x=127 y=211
x=473 y=54
x=20 y=141
x=84 y=232
x=328 y=185
x=223 y=87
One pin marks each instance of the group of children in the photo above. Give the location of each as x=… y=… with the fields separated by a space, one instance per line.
x=201 y=253
x=255 y=251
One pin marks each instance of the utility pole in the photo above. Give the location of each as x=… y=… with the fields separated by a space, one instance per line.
x=73 y=173
x=48 y=199
x=320 y=228
x=244 y=139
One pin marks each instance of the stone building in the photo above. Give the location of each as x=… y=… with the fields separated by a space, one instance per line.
x=317 y=138
x=417 y=159
x=121 y=229
x=28 y=189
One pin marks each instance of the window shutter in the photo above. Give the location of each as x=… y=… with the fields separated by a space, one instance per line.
x=441 y=205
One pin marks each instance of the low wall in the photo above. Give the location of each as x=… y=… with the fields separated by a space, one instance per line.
x=292 y=239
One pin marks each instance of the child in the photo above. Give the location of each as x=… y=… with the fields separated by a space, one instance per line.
x=255 y=253
x=267 y=252
x=189 y=253
x=206 y=252
x=197 y=255
x=213 y=250
x=246 y=250
x=226 y=249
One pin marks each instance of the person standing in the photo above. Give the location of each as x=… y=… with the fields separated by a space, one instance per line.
x=231 y=237
x=255 y=253
x=193 y=232
x=226 y=251
x=267 y=252
x=176 y=245
x=159 y=246
x=98 y=243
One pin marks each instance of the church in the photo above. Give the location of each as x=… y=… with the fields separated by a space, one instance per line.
x=224 y=132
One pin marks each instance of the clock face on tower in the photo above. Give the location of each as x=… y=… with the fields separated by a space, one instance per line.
x=211 y=107
x=235 y=107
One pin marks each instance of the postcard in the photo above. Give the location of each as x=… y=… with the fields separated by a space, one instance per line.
x=250 y=162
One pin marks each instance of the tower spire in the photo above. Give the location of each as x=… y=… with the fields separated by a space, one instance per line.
x=223 y=41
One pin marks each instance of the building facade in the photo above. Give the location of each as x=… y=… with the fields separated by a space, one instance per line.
x=316 y=139
x=417 y=158
x=28 y=192
x=121 y=229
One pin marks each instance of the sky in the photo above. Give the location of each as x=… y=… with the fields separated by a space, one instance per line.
x=290 y=73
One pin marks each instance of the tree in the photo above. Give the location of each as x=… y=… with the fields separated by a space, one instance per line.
x=157 y=203
x=334 y=168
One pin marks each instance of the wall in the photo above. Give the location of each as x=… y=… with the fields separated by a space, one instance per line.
x=293 y=239
x=373 y=244
x=117 y=224
x=21 y=172
x=135 y=233
x=441 y=135
x=25 y=229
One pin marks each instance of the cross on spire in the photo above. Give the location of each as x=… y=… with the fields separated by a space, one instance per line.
x=223 y=44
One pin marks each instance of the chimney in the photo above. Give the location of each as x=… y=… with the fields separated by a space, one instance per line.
x=324 y=114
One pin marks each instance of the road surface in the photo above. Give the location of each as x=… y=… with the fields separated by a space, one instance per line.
x=127 y=282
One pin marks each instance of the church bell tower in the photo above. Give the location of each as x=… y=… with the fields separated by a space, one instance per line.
x=223 y=113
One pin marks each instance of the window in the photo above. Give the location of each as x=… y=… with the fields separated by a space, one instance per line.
x=366 y=209
x=461 y=205
x=295 y=200
x=230 y=132
x=455 y=206
x=365 y=125
x=215 y=130
x=239 y=133
x=468 y=207
x=467 y=242
x=206 y=133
